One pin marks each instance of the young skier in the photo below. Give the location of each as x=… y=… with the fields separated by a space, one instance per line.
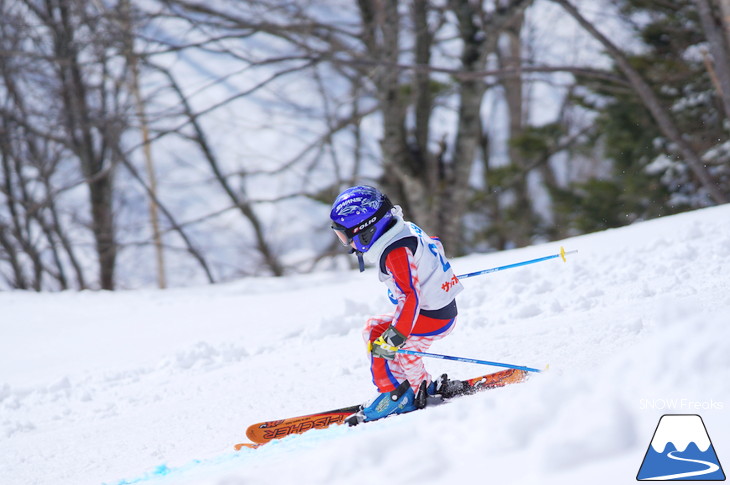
x=422 y=285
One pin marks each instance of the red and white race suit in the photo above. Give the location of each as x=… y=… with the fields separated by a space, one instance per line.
x=423 y=286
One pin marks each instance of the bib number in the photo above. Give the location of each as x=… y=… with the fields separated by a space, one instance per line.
x=445 y=265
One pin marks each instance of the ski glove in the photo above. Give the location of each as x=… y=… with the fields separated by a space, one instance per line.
x=388 y=344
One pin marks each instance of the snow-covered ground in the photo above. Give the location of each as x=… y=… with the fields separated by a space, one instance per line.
x=157 y=386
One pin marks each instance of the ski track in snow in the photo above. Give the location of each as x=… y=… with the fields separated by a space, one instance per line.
x=155 y=387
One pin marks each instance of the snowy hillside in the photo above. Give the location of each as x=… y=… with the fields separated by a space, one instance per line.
x=156 y=387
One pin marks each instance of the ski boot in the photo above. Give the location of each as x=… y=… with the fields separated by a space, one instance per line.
x=401 y=400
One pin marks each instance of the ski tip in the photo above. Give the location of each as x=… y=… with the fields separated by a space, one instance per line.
x=251 y=446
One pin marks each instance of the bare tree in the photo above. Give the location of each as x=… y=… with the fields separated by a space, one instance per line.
x=89 y=119
x=34 y=239
x=200 y=138
x=282 y=22
x=432 y=184
x=417 y=70
x=65 y=109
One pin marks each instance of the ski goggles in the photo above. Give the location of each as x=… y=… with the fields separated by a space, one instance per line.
x=341 y=232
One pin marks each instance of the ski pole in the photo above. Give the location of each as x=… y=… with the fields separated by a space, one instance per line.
x=463 y=359
x=561 y=254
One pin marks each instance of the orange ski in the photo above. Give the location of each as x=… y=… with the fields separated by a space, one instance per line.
x=497 y=379
x=262 y=433
x=270 y=430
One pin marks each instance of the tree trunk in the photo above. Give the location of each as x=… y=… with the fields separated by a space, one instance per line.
x=521 y=222
x=127 y=28
x=711 y=20
x=724 y=6
x=404 y=174
x=479 y=33
x=96 y=169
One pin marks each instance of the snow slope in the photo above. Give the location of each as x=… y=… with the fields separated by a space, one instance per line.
x=155 y=387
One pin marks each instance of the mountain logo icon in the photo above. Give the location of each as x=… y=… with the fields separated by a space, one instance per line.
x=681 y=450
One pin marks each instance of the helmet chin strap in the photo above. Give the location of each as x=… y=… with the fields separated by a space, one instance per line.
x=360 y=260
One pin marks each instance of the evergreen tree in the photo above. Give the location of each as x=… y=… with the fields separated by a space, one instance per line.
x=648 y=179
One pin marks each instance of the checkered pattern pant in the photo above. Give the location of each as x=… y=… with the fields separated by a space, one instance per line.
x=387 y=374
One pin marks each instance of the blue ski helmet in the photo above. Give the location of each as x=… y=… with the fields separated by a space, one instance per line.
x=361 y=214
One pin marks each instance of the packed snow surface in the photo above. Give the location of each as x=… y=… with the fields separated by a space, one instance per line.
x=155 y=387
